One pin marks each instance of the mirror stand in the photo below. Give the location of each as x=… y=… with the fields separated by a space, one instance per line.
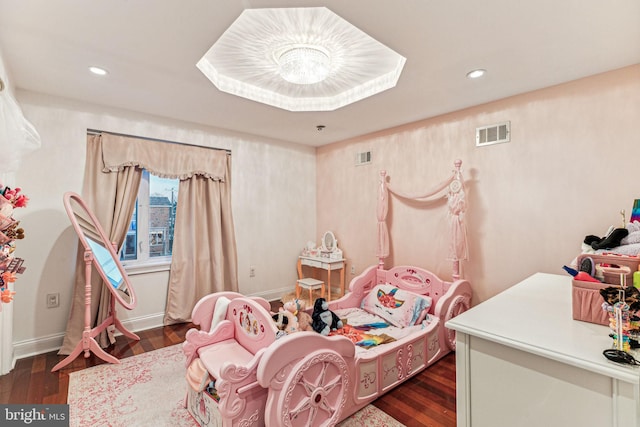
x=79 y=213
x=88 y=343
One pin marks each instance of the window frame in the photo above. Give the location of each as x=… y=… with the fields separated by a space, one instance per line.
x=144 y=263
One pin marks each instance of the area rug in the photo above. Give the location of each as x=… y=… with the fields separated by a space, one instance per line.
x=149 y=390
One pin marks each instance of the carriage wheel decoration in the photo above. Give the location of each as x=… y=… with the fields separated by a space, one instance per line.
x=316 y=393
x=460 y=304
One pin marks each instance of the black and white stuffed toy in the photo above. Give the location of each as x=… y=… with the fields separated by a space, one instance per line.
x=323 y=319
x=282 y=322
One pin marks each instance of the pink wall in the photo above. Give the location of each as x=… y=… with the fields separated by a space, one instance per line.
x=572 y=164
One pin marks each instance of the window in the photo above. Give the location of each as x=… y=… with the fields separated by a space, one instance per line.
x=149 y=240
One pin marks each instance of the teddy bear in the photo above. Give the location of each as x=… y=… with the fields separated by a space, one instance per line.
x=298 y=307
x=324 y=320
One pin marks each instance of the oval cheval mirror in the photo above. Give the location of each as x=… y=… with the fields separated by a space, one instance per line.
x=105 y=257
x=100 y=253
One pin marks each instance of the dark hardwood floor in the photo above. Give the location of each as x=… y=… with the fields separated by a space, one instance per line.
x=428 y=399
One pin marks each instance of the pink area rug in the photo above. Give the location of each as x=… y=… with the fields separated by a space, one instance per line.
x=370 y=416
x=149 y=389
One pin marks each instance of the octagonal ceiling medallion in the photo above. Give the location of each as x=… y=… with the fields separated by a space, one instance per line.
x=258 y=56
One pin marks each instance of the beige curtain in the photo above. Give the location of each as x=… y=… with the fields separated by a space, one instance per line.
x=204 y=251
x=111 y=196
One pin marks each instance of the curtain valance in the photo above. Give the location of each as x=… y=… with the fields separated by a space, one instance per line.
x=167 y=160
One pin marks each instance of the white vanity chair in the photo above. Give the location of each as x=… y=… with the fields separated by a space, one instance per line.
x=328 y=257
x=311 y=284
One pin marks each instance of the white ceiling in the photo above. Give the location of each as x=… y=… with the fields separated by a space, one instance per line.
x=151 y=47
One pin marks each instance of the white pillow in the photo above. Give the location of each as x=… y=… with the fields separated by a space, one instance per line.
x=399 y=307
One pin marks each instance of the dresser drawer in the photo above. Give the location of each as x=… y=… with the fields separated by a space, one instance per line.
x=312 y=263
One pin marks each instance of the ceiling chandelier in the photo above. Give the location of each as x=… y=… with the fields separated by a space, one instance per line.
x=299 y=59
x=303 y=64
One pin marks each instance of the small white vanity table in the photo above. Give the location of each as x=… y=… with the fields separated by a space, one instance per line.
x=521 y=360
x=328 y=258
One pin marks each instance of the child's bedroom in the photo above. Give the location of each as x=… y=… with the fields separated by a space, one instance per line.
x=297 y=213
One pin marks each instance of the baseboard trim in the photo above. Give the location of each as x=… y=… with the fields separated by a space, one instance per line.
x=35 y=346
x=274 y=294
x=45 y=344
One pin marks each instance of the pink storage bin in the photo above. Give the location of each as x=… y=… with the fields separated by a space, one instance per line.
x=587 y=302
x=586 y=298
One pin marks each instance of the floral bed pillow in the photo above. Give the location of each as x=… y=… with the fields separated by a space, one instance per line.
x=398 y=307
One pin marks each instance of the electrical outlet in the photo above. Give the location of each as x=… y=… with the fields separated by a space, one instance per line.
x=252 y=271
x=53 y=300
x=353 y=270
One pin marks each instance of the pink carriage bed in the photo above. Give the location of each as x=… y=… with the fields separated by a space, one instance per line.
x=308 y=379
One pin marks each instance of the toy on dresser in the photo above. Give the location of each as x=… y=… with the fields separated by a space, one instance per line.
x=619 y=323
x=623 y=321
x=622 y=305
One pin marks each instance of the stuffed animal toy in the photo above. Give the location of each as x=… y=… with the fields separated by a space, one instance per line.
x=281 y=320
x=292 y=321
x=324 y=320
x=298 y=307
x=286 y=321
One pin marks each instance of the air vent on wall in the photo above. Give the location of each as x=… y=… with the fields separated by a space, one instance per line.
x=363 y=158
x=493 y=134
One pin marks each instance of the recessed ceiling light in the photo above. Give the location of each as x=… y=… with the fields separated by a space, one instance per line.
x=99 y=71
x=476 y=73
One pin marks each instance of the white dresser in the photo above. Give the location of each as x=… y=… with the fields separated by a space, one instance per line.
x=521 y=360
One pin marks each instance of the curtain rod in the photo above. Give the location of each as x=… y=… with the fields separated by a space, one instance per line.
x=99 y=132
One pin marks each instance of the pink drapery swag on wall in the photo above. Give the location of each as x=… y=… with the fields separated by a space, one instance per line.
x=456 y=204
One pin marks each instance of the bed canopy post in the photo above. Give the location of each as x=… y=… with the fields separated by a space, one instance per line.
x=383 y=233
x=456 y=261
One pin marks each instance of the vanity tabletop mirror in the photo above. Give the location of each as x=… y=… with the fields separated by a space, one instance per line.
x=329 y=242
